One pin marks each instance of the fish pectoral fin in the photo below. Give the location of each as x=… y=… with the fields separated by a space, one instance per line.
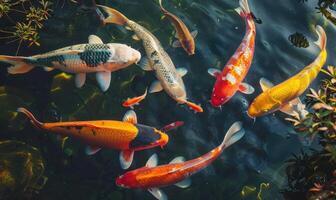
x=80 y=80
x=128 y=28
x=290 y=108
x=176 y=44
x=265 y=84
x=179 y=159
x=126 y=158
x=246 y=88
x=152 y=161
x=104 y=80
x=194 y=33
x=135 y=37
x=145 y=64
x=158 y=194
x=131 y=117
x=214 y=72
x=91 y=150
x=48 y=69
x=182 y=71
x=184 y=184
x=155 y=87
x=93 y=39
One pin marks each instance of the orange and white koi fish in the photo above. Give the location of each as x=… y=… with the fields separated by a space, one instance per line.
x=285 y=95
x=94 y=57
x=152 y=177
x=169 y=78
x=185 y=39
x=134 y=101
x=127 y=135
x=230 y=80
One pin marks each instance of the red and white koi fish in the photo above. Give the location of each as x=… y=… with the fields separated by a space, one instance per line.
x=229 y=81
x=134 y=101
x=94 y=57
x=152 y=177
x=127 y=135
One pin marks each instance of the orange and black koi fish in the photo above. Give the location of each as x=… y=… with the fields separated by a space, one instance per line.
x=151 y=177
x=134 y=101
x=127 y=135
x=185 y=39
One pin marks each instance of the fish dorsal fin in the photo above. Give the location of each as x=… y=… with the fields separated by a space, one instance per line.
x=126 y=158
x=152 y=161
x=158 y=194
x=93 y=39
x=182 y=71
x=265 y=84
x=176 y=44
x=131 y=117
x=184 y=184
x=179 y=159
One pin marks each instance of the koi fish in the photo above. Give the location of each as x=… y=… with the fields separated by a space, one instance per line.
x=80 y=59
x=285 y=95
x=127 y=135
x=169 y=78
x=152 y=177
x=229 y=81
x=134 y=101
x=185 y=39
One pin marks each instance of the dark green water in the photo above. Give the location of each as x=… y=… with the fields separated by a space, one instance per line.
x=258 y=157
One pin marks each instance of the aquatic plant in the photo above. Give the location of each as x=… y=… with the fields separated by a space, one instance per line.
x=27 y=21
x=321 y=120
x=21 y=170
x=313 y=175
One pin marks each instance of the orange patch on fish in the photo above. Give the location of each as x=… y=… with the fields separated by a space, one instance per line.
x=194 y=106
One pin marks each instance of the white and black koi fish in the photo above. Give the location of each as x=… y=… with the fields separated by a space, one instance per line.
x=169 y=78
x=80 y=59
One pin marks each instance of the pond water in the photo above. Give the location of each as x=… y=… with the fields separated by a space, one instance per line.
x=258 y=158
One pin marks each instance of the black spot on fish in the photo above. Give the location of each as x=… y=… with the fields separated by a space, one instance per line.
x=93 y=58
x=298 y=40
x=154 y=53
x=93 y=132
x=78 y=127
x=48 y=61
x=146 y=136
x=156 y=61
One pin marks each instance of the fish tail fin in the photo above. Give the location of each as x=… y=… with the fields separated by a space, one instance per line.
x=322 y=37
x=161 y=7
x=234 y=134
x=244 y=9
x=19 y=64
x=114 y=16
x=33 y=120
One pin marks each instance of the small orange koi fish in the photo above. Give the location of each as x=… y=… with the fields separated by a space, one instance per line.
x=185 y=39
x=194 y=106
x=127 y=135
x=134 y=101
x=178 y=171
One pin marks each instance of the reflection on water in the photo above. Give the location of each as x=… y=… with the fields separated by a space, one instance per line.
x=257 y=158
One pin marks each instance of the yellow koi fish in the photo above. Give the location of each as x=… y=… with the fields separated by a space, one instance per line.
x=285 y=96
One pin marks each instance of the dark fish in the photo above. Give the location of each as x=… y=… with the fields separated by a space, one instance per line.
x=299 y=40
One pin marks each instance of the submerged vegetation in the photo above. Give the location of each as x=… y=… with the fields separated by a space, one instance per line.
x=29 y=19
x=313 y=175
